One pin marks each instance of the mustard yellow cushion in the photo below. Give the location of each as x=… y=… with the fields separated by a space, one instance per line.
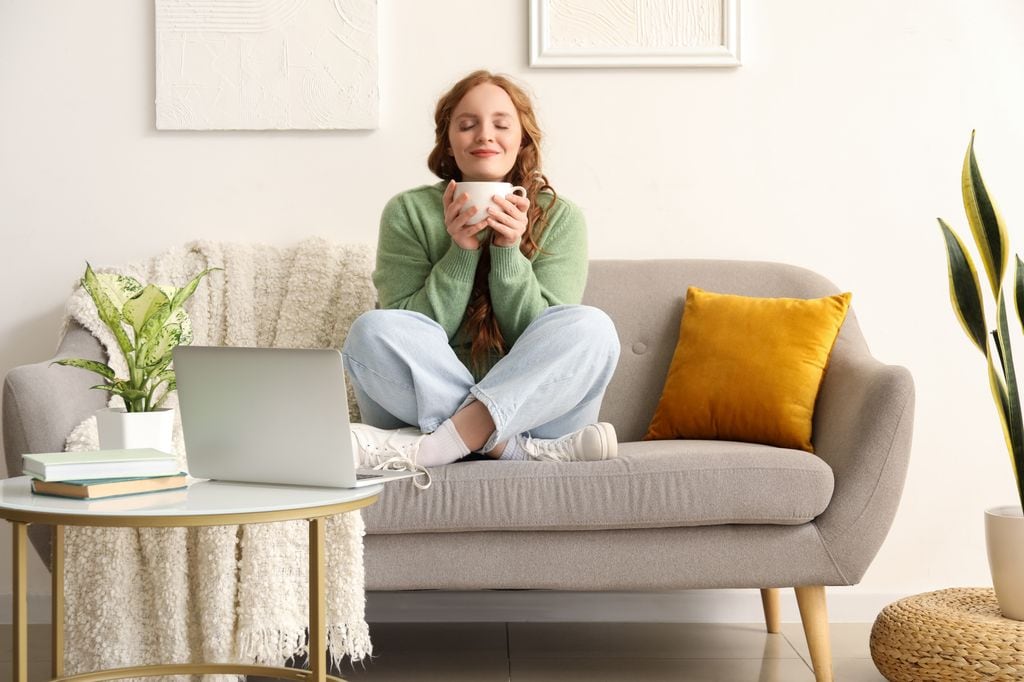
x=748 y=368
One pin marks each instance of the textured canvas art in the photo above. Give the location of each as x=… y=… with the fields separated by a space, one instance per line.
x=266 y=64
x=634 y=33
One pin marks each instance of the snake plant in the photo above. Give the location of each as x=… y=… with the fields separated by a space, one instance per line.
x=147 y=322
x=965 y=292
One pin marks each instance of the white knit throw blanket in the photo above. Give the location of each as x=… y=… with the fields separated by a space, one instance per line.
x=234 y=593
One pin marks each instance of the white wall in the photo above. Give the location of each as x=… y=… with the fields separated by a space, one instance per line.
x=834 y=146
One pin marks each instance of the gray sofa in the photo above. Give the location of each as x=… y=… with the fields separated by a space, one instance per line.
x=664 y=515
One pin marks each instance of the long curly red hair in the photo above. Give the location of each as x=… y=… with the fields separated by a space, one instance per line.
x=480 y=320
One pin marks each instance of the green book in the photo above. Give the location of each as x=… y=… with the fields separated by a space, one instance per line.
x=109 y=487
x=87 y=466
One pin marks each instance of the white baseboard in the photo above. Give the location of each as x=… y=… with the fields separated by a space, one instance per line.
x=689 y=606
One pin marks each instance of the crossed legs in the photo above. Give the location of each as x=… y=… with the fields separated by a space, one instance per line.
x=550 y=383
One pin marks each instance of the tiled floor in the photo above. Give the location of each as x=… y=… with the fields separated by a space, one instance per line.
x=531 y=652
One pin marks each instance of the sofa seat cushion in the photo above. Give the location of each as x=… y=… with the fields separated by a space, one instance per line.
x=652 y=484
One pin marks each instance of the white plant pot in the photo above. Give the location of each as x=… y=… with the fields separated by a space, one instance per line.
x=121 y=430
x=1004 y=536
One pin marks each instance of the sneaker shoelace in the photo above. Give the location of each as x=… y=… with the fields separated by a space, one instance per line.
x=547 y=448
x=401 y=463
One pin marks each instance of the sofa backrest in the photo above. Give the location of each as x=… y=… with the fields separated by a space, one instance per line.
x=645 y=300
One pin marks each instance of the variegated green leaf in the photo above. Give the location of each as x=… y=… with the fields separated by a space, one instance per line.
x=139 y=309
x=122 y=389
x=186 y=291
x=151 y=330
x=91 y=365
x=181 y=318
x=161 y=366
x=964 y=289
x=164 y=376
x=986 y=222
x=118 y=288
x=161 y=346
x=108 y=312
x=171 y=386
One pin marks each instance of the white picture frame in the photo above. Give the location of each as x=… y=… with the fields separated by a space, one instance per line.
x=266 y=65
x=634 y=33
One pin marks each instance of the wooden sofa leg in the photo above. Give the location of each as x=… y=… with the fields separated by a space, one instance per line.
x=770 y=601
x=814 y=615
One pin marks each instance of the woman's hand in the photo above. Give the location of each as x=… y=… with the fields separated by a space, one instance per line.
x=455 y=217
x=507 y=219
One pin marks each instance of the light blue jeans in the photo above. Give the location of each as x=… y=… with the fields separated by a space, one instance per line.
x=549 y=384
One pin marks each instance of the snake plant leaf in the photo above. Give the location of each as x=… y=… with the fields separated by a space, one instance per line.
x=1018 y=290
x=186 y=291
x=995 y=383
x=986 y=222
x=1014 y=424
x=139 y=309
x=108 y=312
x=964 y=289
x=103 y=370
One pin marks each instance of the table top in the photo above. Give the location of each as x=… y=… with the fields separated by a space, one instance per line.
x=202 y=503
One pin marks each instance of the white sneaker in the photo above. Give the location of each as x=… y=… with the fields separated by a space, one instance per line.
x=592 y=443
x=389 y=450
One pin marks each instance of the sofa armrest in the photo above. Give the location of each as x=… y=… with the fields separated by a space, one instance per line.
x=863 y=425
x=42 y=402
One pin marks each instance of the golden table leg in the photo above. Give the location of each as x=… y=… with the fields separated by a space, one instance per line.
x=20 y=594
x=317 y=617
x=57 y=596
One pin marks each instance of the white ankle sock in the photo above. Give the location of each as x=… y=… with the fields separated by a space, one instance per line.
x=512 y=450
x=443 y=446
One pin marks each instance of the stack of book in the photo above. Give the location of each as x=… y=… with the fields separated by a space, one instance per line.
x=103 y=473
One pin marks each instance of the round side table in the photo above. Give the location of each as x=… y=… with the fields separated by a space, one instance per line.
x=954 y=634
x=203 y=503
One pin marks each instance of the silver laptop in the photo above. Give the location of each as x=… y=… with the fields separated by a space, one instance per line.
x=268 y=415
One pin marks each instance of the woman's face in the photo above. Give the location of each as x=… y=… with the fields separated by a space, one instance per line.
x=485 y=133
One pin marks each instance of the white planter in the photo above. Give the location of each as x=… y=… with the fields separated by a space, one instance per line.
x=1004 y=536
x=121 y=430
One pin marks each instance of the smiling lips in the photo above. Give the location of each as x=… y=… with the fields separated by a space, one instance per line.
x=484 y=153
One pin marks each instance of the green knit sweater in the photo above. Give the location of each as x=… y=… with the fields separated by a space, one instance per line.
x=420 y=268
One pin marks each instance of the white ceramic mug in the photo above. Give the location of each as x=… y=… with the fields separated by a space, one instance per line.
x=481 y=195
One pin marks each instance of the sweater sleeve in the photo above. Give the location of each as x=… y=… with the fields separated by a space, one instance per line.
x=522 y=289
x=406 y=279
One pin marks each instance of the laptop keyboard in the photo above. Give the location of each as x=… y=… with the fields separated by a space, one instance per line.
x=360 y=477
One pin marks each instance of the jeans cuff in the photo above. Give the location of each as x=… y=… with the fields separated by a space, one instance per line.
x=496 y=416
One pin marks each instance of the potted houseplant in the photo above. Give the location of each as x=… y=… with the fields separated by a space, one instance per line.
x=1004 y=526
x=147 y=322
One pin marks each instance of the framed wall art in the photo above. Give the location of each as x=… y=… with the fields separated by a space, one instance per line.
x=634 y=33
x=266 y=64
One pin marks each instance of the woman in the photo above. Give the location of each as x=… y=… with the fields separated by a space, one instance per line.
x=480 y=340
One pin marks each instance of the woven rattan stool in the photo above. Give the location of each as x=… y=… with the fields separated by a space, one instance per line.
x=955 y=634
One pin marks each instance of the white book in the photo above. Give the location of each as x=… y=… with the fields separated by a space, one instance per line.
x=84 y=466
